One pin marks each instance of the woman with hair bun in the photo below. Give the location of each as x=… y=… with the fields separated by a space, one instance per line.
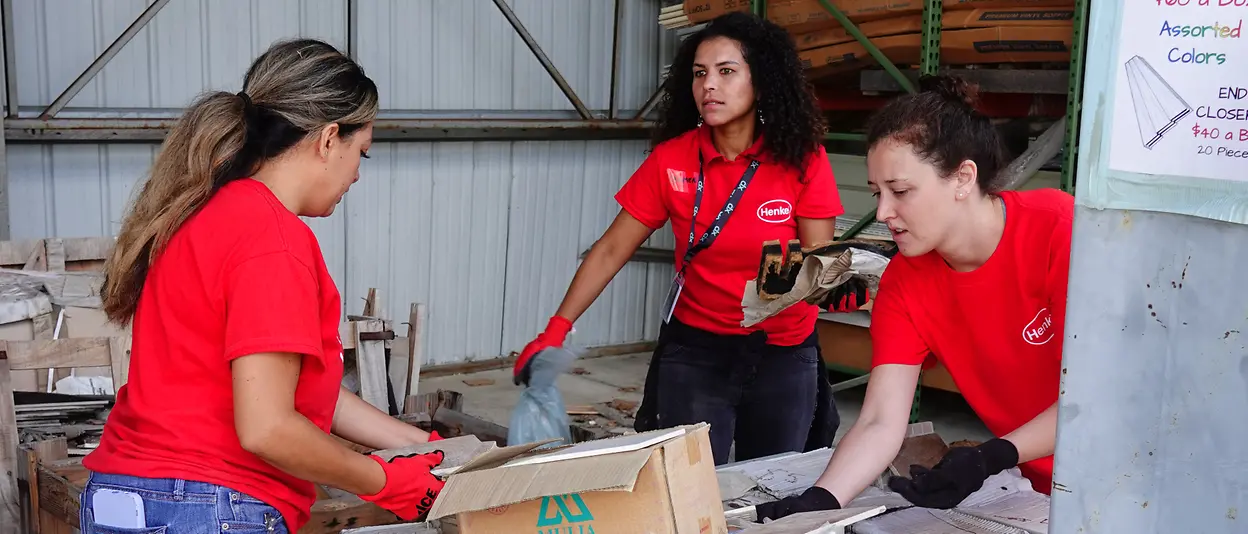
x=979 y=282
x=235 y=375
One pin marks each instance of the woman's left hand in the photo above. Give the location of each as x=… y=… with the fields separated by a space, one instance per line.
x=960 y=473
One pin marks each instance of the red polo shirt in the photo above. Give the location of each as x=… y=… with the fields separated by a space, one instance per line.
x=998 y=329
x=242 y=276
x=662 y=190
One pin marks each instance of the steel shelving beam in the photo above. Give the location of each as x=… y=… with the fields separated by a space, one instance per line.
x=1074 y=98
x=432 y=129
x=929 y=64
x=49 y=127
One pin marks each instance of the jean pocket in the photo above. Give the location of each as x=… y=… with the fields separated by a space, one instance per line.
x=91 y=527
x=98 y=529
x=805 y=355
x=254 y=516
x=672 y=351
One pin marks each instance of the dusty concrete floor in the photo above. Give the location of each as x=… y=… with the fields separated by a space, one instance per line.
x=622 y=377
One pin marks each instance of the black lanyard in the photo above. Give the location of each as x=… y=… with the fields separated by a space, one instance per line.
x=724 y=213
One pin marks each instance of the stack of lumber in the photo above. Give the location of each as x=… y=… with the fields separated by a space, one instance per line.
x=974 y=32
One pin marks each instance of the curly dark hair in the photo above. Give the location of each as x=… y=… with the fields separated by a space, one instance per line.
x=794 y=125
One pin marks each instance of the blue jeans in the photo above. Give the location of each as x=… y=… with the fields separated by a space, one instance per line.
x=179 y=506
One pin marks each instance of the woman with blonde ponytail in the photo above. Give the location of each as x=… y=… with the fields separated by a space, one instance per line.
x=235 y=371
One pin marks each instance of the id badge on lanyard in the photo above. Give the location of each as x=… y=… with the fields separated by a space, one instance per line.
x=678 y=282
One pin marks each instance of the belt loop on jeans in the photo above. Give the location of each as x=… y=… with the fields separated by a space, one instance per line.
x=179 y=489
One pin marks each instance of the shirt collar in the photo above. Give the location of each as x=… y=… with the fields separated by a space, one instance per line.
x=709 y=152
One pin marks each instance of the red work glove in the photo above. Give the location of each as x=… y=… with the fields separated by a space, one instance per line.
x=433 y=436
x=556 y=332
x=847 y=297
x=410 y=488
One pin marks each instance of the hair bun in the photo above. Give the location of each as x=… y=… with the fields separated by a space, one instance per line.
x=950 y=88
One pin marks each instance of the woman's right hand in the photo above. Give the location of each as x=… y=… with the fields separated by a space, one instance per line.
x=410 y=487
x=555 y=334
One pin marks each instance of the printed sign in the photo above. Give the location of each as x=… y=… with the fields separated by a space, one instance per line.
x=1182 y=86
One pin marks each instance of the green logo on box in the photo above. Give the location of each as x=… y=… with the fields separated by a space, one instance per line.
x=563 y=513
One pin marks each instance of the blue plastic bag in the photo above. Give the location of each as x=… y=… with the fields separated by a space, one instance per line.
x=540 y=413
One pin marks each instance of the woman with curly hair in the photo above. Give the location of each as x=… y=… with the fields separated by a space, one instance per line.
x=737 y=162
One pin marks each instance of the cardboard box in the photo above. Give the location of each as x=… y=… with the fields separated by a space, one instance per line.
x=800 y=16
x=1006 y=44
x=699 y=11
x=1001 y=44
x=950 y=20
x=660 y=482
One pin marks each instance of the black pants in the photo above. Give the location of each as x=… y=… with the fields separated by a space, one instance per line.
x=765 y=397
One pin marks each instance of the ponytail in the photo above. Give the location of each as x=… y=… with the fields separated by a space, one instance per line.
x=188 y=170
x=296 y=87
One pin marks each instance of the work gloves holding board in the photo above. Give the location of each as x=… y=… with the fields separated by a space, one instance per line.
x=781 y=264
x=410 y=486
x=960 y=473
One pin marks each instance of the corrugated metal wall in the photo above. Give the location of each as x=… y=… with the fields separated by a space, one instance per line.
x=486 y=233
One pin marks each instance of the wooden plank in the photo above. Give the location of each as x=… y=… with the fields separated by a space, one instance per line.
x=370 y=361
x=8 y=447
x=56 y=254
x=1025 y=81
x=331 y=516
x=77 y=249
x=88 y=248
x=58 y=496
x=399 y=528
x=119 y=354
x=462 y=424
x=56 y=353
x=31 y=515
x=415 y=353
x=1025 y=166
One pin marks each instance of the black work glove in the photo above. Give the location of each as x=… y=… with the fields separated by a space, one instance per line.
x=814 y=498
x=846 y=297
x=960 y=473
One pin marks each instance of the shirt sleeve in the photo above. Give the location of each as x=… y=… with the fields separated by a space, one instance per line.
x=272 y=305
x=894 y=339
x=819 y=197
x=1059 y=272
x=642 y=194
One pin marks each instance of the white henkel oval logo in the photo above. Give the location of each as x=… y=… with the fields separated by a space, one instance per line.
x=1040 y=330
x=775 y=211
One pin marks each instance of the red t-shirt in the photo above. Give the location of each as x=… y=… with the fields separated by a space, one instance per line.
x=662 y=189
x=242 y=276
x=997 y=329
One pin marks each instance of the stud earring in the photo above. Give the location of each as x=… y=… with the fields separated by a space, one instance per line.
x=961 y=194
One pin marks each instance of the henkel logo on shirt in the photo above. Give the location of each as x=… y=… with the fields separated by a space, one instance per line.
x=775 y=211
x=1040 y=330
x=681 y=181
